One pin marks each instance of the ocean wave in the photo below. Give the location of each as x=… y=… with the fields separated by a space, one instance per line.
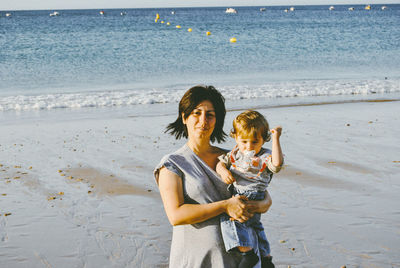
x=292 y=89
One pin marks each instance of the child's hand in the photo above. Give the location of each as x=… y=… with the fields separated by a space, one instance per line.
x=276 y=132
x=227 y=177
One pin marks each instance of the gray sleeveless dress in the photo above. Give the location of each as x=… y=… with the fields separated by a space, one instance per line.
x=198 y=245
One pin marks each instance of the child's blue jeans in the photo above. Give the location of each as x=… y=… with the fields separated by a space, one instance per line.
x=237 y=234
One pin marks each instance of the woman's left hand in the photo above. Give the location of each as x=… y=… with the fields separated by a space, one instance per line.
x=237 y=208
x=259 y=206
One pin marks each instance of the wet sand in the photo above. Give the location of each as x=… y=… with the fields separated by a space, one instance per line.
x=80 y=192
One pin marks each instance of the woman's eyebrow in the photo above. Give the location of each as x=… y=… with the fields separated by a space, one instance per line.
x=207 y=111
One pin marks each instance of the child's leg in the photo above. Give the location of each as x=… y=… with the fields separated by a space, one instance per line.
x=263 y=245
x=244 y=249
x=235 y=235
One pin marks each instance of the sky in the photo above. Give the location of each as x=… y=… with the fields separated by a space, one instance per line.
x=103 y=4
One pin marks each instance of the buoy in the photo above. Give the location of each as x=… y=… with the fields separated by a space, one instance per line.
x=162 y=21
x=156 y=20
x=208 y=33
x=168 y=23
x=233 y=40
x=178 y=26
x=190 y=30
x=157 y=16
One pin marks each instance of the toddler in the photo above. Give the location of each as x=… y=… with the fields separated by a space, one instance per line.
x=248 y=168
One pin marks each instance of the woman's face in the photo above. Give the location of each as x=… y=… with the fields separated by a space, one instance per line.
x=201 y=121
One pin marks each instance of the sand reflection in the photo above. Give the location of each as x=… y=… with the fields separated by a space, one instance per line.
x=102 y=183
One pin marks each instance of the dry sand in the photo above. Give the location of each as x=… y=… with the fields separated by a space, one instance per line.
x=80 y=192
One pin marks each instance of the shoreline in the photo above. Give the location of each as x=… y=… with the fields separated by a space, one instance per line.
x=272 y=93
x=316 y=104
x=169 y=109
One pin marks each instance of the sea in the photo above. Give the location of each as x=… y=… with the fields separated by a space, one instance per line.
x=113 y=58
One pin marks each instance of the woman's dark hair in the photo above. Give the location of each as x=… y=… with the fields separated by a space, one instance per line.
x=189 y=102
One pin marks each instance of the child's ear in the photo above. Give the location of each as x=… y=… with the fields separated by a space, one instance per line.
x=264 y=142
x=232 y=134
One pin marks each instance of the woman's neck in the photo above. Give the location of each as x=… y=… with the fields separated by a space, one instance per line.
x=204 y=151
x=199 y=147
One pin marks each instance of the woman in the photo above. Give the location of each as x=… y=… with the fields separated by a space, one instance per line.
x=192 y=194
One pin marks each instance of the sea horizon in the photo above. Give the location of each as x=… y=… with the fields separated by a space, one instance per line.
x=221 y=6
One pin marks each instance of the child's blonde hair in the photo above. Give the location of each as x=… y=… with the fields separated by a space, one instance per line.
x=251 y=123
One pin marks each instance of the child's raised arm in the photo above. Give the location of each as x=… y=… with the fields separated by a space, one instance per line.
x=225 y=174
x=277 y=156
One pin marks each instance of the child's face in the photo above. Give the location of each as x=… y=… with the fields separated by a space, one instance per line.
x=249 y=143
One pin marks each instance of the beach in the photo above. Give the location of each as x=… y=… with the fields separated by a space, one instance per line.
x=77 y=189
x=85 y=97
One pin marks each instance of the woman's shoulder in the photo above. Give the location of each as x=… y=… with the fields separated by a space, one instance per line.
x=173 y=161
x=219 y=151
x=182 y=152
x=184 y=157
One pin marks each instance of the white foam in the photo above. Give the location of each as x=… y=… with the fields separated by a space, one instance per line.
x=309 y=88
x=292 y=89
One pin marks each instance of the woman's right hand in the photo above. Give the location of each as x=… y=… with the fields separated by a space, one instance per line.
x=237 y=208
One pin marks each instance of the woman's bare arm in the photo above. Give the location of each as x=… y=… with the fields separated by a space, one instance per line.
x=171 y=190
